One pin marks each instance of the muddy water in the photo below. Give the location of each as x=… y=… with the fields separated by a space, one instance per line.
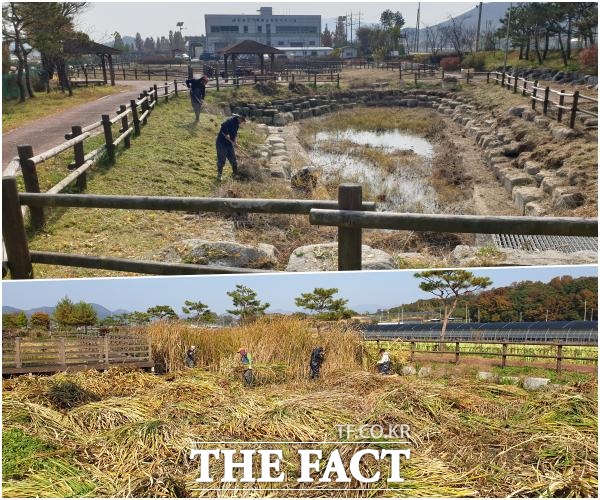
x=406 y=189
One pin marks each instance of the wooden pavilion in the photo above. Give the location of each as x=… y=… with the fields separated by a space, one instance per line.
x=80 y=47
x=249 y=47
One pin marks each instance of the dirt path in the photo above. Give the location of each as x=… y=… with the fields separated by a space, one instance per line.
x=50 y=131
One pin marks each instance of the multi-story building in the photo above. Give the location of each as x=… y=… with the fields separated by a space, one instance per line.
x=223 y=30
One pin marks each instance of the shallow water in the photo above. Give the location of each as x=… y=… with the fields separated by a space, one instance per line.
x=407 y=189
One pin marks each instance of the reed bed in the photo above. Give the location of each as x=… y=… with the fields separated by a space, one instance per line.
x=468 y=438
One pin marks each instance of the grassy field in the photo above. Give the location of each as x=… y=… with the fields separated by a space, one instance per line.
x=172 y=157
x=16 y=114
x=126 y=433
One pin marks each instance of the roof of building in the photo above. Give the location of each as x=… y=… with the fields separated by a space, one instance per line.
x=249 y=47
x=87 y=47
x=308 y=47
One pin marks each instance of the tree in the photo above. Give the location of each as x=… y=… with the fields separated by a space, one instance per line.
x=14 y=321
x=178 y=42
x=118 y=43
x=84 y=315
x=339 y=37
x=449 y=286
x=16 y=22
x=149 y=45
x=40 y=321
x=247 y=306
x=392 y=22
x=321 y=301
x=326 y=37
x=139 y=42
x=200 y=311
x=162 y=312
x=64 y=312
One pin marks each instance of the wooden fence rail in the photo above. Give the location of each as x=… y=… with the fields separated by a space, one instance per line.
x=441 y=348
x=560 y=101
x=28 y=355
x=349 y=213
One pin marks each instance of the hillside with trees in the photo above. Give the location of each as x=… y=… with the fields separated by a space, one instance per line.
x=563 y=298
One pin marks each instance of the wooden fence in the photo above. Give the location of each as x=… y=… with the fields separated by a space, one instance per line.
x=349 y=213
x=503 y=350
x=563 y=104
x=79 y=352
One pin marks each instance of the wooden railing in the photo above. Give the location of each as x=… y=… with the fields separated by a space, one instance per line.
x=559 y=101
x=504 y=352
x=349 y=213
x=30 y=355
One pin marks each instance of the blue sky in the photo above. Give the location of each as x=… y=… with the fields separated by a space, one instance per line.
x=363 y=289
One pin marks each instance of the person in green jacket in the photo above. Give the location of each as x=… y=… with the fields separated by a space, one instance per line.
x=246 y=361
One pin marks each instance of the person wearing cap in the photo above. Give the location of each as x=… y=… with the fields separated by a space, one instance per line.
x=197 y=88
x=190 y=357
x=246 y=361
x=385 y=363
x=226 y=143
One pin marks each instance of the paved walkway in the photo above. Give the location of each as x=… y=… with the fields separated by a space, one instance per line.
x=50 y=131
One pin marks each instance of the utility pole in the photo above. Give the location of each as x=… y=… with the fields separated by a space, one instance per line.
x=507 y=38
x=418 y=27
x=478 y=27
x=546 y=315
x=584 y=309
x=478 y=315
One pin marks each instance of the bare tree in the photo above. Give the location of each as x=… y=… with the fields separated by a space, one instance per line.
x=459 y=36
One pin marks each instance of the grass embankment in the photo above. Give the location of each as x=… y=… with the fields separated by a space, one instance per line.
x=16 y=114
x=554 y=61
x=122 y=433
x=173 y=156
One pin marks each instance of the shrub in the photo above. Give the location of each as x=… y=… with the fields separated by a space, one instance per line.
x=450 y=63
x=475 y=61
x=589 y=56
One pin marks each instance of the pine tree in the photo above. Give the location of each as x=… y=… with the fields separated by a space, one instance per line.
x=326 y=37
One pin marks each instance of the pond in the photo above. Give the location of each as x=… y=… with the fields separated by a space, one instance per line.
x=405 y=187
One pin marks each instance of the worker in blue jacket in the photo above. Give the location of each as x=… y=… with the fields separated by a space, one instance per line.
x=226 y=143
x=197 y=88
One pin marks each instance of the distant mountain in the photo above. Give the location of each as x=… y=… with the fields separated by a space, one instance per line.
x=101 y=311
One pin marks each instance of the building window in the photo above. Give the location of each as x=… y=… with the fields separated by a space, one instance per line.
x=296 y=29
x=245 y=29
x=259 y=29
x=313 y=53
x=281 y=43
x=224 y=29
x=311 y=43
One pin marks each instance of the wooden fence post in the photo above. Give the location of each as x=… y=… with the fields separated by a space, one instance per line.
x=503 y=77
x=125 y=125
x=515 y=83
x=13 y=231
x=108 y=137
x=456 y=352
x=217 y=80
x=574 y=109
x=400 y=72
x=411 y=356
x=135 y=72
x=561 y=103
x=135 y=117
x=349 y=240
x=559 y=356
x=123 y=73
x=175 y=88
x=534 y=94
x=504 y=353
x=62 y=352
x=524 y=93
x=31 y=181
x=155 y=87
x=106 y=350
x=18 y=362
x=546 y=99
x=468 y=76
x=487 y=77
x=148 y=72
x=166 y=74
x=166 y=92
x=338 y=80
x=79 y=155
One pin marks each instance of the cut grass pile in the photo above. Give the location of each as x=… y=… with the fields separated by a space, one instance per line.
x=468 y=437
x=16 y=114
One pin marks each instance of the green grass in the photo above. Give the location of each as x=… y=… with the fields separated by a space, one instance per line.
x=22 y=453
x=173 y=156
x=495 y=59
x=16 y=114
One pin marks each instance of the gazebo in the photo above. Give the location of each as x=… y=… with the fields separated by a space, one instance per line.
x=249 y=47
x=80 y=47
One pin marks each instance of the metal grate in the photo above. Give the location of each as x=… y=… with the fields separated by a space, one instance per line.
x=567 y=244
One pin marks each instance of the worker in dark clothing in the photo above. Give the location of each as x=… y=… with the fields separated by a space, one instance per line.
x=190 y=357
x=317 y=356
x=226 y=143
x=197 y=88
x=246 y=362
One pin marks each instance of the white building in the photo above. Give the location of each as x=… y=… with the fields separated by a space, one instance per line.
x=292 y=52
x=280 y=31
